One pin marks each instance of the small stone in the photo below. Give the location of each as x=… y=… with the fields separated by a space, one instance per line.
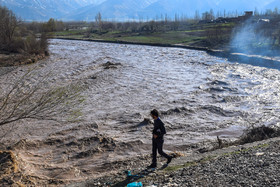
x=259 y=154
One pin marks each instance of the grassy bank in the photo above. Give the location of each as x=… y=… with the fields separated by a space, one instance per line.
x=210 y=35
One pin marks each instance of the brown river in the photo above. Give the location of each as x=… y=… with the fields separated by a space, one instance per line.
x=199 y=96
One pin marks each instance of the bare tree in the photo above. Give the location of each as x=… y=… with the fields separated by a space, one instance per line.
x=27 y=100
x=98 y=20
x=197 y=15
x=212 y=16
x=8 y=25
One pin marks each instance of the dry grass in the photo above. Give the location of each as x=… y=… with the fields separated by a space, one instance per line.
x=258 y=134
x=176 y=154
x=250 y=135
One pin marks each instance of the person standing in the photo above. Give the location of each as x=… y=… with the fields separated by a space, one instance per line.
x=158 y=133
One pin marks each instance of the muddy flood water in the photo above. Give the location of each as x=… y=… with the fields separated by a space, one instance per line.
x=199 y=97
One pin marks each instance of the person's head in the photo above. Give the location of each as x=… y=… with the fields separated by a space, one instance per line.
x=154 y=114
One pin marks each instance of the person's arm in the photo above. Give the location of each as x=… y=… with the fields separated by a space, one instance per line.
x=162 y=127
x=159 y=130
x=155 y=132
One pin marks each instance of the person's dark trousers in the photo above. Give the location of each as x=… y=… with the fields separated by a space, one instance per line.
x=157 y=146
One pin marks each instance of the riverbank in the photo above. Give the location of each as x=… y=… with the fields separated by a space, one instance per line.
x=193 y=36
x=17 y=59
x=217 y=39
x=254 y=164
x=138 y=43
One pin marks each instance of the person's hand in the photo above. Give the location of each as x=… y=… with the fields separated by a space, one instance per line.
x=155 y=136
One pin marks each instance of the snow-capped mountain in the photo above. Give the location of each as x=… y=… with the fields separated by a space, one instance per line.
x=45 y=9
x=143 y=9
x=111 y=9
x=179 y=7
x=126 y=9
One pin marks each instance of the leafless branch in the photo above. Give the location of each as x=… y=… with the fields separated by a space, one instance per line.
x=26 y=100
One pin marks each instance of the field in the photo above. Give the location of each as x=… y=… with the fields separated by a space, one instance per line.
x=211 y=35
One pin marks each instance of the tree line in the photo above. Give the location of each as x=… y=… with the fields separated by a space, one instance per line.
x=19 y=36
x=160 y=23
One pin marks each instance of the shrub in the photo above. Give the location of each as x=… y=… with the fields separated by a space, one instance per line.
x=258 y=134
x=17 y=45
x=32 y=45
x=15 y=38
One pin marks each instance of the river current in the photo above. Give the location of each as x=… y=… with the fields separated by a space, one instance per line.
x=199 y=96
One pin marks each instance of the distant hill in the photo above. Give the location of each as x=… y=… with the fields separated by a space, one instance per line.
x=41 y=10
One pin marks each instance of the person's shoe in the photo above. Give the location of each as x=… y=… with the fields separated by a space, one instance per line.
x=169 y=160
x=152 y=166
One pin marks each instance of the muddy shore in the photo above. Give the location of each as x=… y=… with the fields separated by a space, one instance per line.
x=16 y=59
x=255 y=164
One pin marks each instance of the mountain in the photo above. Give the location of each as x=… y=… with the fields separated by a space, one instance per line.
x=137 y=9
x=111 y=9
x=179 y=7
x=41 y=10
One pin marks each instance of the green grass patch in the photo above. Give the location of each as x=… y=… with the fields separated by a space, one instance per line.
x=72 y=37
x=189 y=164
x=69 y=33
x=144 y=39
x=261 y=146
x=246 y=150
x=177 y=167
x=194 y=31
x=162 y=38
x=207 y=159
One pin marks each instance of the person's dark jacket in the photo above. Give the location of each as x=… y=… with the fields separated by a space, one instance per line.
x=159 y=128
